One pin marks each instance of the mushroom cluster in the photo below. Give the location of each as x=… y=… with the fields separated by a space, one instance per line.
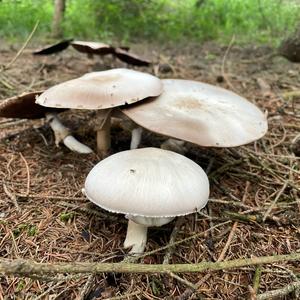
x=187 y=110
x=102 y=91
x=152 y=186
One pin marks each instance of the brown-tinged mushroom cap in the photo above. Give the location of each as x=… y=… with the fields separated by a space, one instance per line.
x=200 y=113
x=92 y=47
x=101 y=90
x=24 y=107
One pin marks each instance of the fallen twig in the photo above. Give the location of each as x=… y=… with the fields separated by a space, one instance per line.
x=280 y=292
x=256 y=279
x=290 y=95
x=22 y=267
x=23 y=47
x=275 y=200
x=224 y=61
x=28 y=175
x=12 y=197
x=173 y=236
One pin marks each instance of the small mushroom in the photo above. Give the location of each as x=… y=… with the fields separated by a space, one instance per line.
x=150 y=186
x=200 y=113
x=24 y=107
x=102 y=91
x=97 y=48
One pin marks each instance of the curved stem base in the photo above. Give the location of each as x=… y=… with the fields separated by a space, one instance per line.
x=136 y=237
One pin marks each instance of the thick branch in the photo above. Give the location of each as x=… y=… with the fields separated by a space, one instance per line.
x=26 y=267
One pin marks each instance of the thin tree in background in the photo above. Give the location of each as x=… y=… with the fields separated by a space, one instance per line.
x=59 y=10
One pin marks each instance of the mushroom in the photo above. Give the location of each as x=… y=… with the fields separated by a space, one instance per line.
x=97 y=48
x=92 y=47
x=102 y=91
x=200 y=113
x=150 y=186
x=24 y=107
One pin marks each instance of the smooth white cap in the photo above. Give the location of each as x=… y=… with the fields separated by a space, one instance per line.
x=200 y=113
x=148 y=182
x=101 y=90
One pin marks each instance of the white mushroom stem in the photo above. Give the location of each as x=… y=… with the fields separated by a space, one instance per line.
x=103 y=132
x=62 y=134
x=74 y=145
x=128 y=124
x=136 y=237
x=136 y=137
x=174 y=145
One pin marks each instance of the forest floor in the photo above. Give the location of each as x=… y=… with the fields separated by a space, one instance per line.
x=44 y=216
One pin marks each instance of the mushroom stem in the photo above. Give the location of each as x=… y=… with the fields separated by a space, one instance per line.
x=62 y=134
x=174 y=145
x=103 y=133
x=136 y=136
x=136 y=237
x=74 y=145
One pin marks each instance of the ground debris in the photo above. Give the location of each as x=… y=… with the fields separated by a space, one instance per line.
x=48 y=218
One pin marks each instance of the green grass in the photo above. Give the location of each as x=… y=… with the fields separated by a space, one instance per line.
x=264 y=21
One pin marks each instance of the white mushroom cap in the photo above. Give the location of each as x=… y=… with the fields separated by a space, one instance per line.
x=100 y=90
x=200 y=113
x=148 y=182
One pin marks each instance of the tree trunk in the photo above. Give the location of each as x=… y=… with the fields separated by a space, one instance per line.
x=59 y=10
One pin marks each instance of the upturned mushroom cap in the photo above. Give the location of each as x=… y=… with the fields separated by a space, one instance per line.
x=24 y=107
x=200 y=113
x=148 y=182
x=100 y=90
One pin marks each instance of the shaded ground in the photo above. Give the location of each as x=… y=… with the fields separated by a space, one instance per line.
x=51 y=221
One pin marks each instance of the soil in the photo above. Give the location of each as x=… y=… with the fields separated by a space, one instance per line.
x=45 y=218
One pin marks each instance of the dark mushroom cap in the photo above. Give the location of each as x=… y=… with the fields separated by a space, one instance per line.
x=51 y=49
x=131 y=58
x=24 y=107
